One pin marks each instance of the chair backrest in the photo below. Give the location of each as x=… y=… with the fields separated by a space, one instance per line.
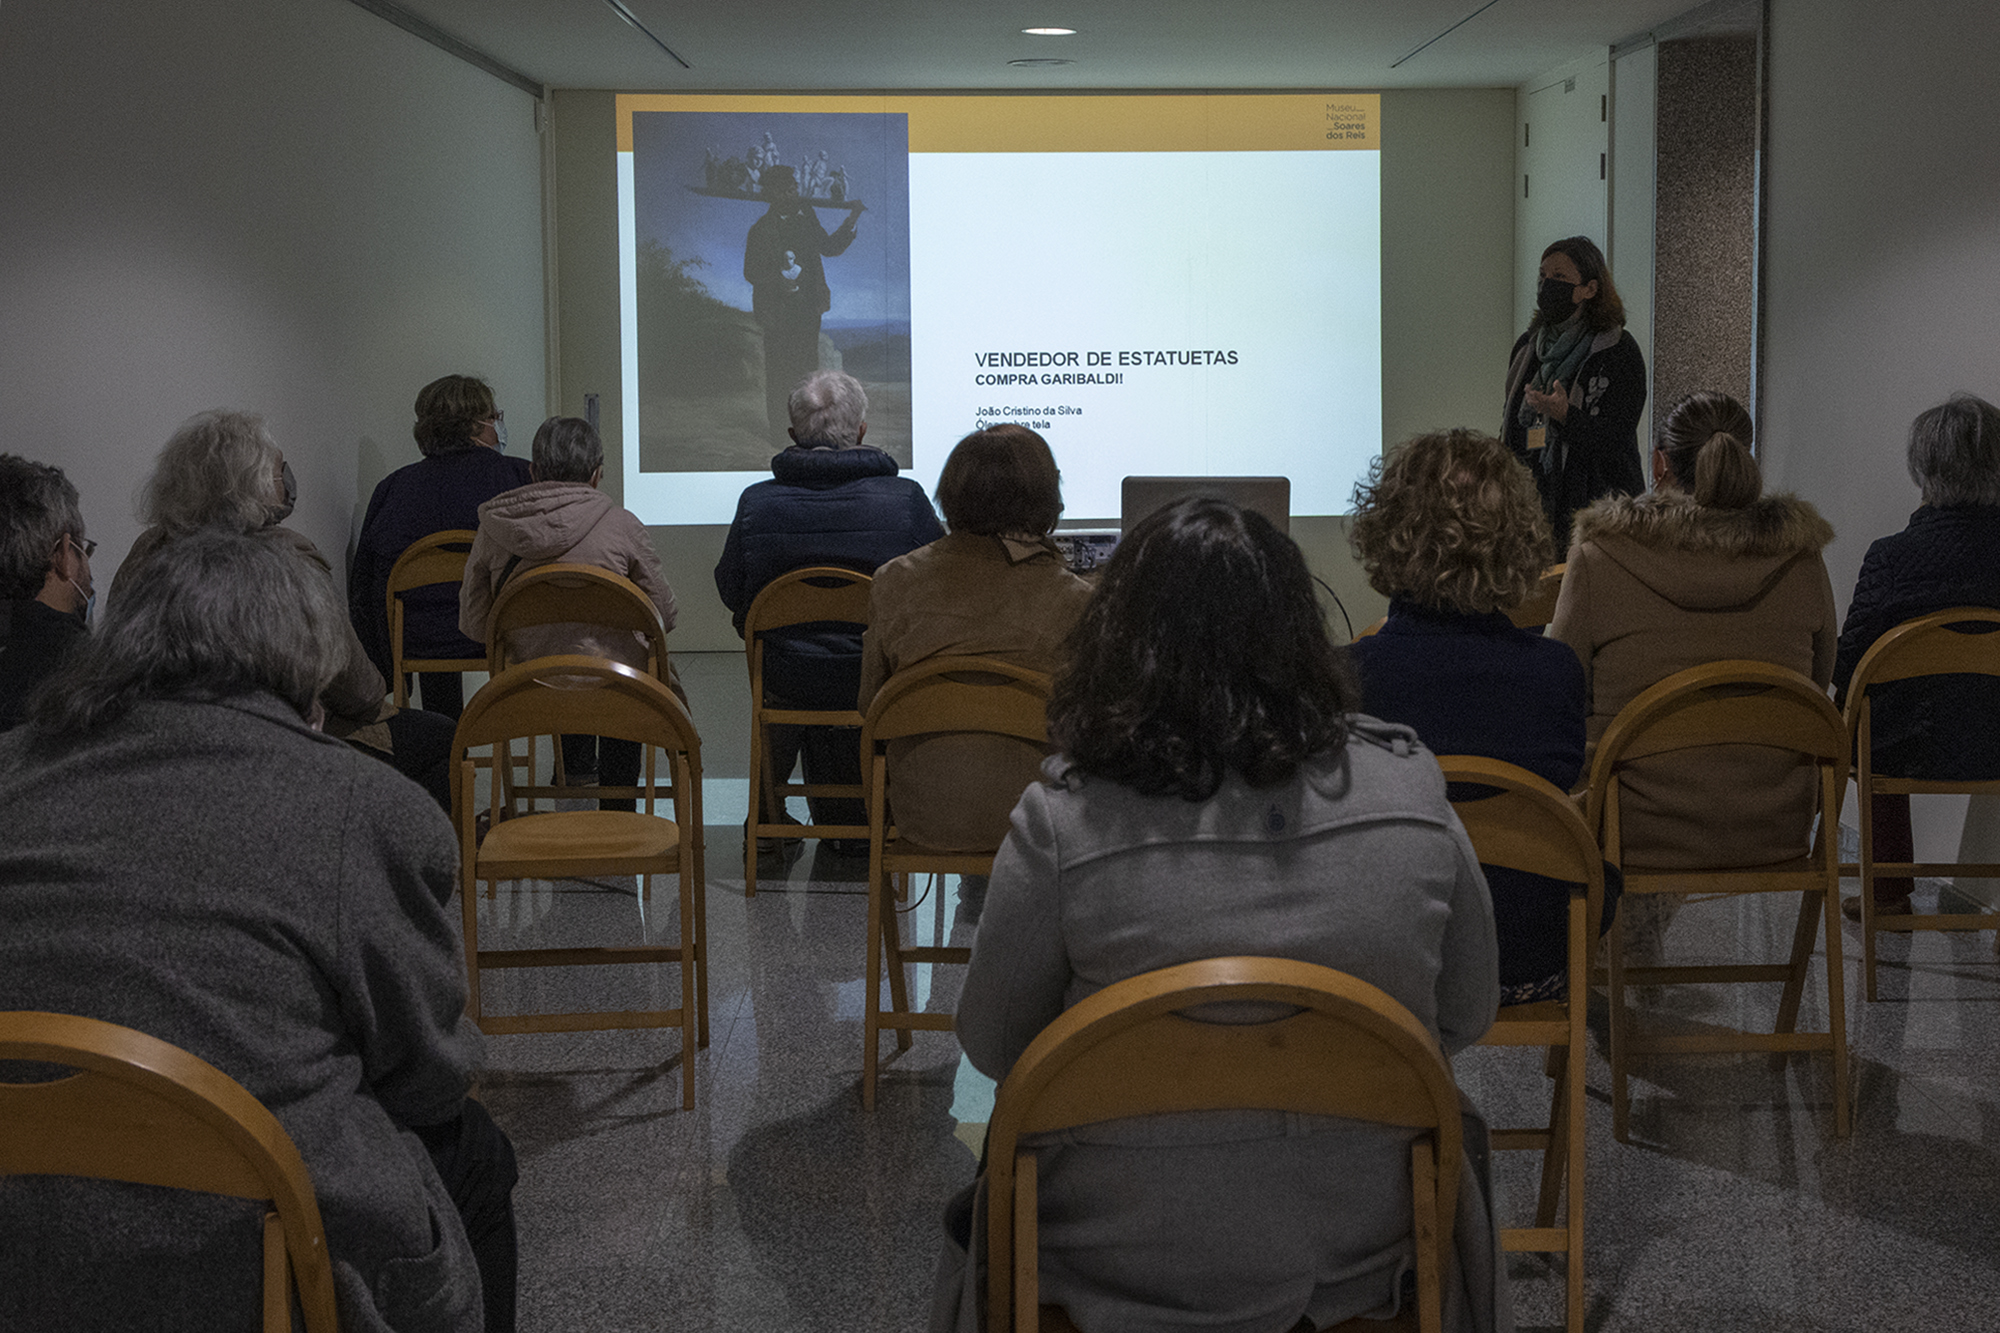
x=559 y=594
x=955 y=695
x=138 y=1109
x=438 y=558
x=1930 y=645
x=1731 y=702
x=1538 y=608
x=574 y=694
x=817 y=592
x=1348 y=1050
x=1525 y=823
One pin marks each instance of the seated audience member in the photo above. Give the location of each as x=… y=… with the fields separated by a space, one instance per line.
x=463 y=439
x=223 y=470
x=1949 y=555
x=831 y=500
x=561 y=517
x=187 y=855
x=1704 y=567
x=995 y=587
x=45 y=583
x=1450 y=527
x=1215 y=794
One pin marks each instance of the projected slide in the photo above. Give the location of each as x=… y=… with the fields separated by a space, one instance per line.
x=1159 y=285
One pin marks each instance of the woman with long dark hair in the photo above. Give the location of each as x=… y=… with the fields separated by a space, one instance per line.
x=1576 y=386
x=1213 y=795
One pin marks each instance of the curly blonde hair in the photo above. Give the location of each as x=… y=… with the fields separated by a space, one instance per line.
x=1451 y=521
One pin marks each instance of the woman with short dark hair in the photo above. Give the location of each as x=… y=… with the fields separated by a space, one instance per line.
x=186 y=854
x=994 y=586
x=1449 y=528
x=462 y=435
x=1214 y=794
x=1576 y=387
x=1948 y=555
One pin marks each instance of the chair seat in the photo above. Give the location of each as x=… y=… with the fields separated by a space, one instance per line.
x=575 y=835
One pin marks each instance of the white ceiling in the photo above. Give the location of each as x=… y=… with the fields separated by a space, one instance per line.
x=924 y=44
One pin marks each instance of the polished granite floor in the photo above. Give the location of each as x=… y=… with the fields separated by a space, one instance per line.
x=778 y=1204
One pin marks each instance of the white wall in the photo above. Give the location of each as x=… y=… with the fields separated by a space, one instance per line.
x=289 y=207
x=1634 y=85
x=1560 y=153
x=1882 y=286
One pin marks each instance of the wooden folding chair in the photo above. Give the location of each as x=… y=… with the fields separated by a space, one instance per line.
x=141 y=1110
x=438 y=558
x=804 y=596
x=1350 y=1050
x=954 y=695
x=1735 y=703
x=1933 y=645
x=551 y=695
x=1525 y=823
x=559 y=594
x=1539 y=607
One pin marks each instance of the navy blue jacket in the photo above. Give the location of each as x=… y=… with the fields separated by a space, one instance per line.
x=844 y=507
x=1474 y=684
x=434 y=494
x=1949 y=726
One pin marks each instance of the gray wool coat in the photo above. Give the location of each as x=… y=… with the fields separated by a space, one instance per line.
x=1239 y=1222
x=222 y=877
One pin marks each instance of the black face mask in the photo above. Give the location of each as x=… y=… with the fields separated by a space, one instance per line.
x=1556 y=299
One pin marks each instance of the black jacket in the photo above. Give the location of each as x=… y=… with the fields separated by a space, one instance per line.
x=33 y=641
x=1948 y=726
x=1595 y=452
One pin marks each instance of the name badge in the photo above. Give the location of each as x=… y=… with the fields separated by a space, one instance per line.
x=1538 y=437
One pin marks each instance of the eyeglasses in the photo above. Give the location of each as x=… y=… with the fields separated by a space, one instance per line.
x=88 y=547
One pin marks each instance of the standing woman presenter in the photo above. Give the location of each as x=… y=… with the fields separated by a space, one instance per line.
x=1576 y=385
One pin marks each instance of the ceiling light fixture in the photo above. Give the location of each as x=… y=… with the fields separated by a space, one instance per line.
x=1038 y=63
x=1050 y=32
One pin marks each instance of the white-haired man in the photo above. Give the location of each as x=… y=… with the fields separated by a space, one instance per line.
x=831 y=501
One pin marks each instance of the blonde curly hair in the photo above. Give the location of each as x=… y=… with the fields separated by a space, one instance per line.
x=1451 y=521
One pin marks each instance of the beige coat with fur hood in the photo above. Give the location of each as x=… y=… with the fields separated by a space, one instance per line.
x=1656 y=584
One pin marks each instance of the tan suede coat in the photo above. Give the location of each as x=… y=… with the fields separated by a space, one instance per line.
x=966 y=595
x=1656 y=584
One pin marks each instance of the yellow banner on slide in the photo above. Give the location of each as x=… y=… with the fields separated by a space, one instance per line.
x=1053 y=123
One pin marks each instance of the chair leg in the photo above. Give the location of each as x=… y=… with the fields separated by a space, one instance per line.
x=756 y=809
x=1574 y=1126
x=1865 y=811
x=1801 y=960
x=1430 y=1289
x=1836 y=1008
x=690 y=1005
x=899 y=983
x=1621 y=1022
x=1555 y=1157
x=871 y=979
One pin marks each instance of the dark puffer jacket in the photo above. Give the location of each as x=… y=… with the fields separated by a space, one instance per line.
x=1946 y=727
x=844 y=507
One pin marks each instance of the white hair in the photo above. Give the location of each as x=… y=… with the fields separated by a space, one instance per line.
x=827 y=409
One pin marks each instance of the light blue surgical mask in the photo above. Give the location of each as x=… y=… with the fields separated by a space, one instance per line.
x=500 y=431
